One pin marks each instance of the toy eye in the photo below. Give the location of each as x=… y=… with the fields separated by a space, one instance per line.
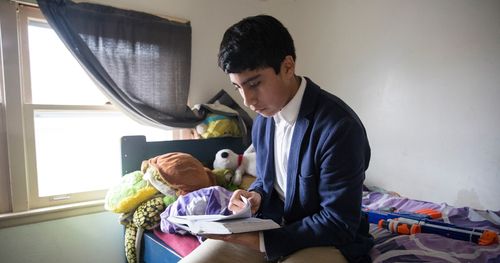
x=224 y=155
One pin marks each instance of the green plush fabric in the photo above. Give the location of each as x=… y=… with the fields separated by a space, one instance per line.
x=221 y=176
x=129 y=193
x=169 y=199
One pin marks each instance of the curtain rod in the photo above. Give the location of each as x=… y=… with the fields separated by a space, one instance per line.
x=172 y=18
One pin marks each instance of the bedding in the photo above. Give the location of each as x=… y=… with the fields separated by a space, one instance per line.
x=391 y=247
x=164 y=247
x=423 y=247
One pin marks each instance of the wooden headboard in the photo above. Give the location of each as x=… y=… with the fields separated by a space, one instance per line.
x=135 y=149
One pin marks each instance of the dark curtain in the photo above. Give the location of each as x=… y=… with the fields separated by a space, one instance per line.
x=141 y=61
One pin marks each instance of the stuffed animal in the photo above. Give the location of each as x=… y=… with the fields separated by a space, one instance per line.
x=181 y=172
x=220 y=121
x=129 y=193
x=137 y=197
x=216 y=125
x=223 y=178
x=240 y=163
x=140 y=206
x=146 y=216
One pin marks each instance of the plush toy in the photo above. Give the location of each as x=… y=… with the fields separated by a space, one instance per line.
x=145 y=217
x=220 y=121
x=240 y=164
x=152 y=175
x=216 y=125
x=223 y=178
x=181 y=172
x=137 y=197
x=129 y=193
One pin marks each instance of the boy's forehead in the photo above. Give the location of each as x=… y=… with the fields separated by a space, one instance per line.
x=246 y=76
x=243 y=76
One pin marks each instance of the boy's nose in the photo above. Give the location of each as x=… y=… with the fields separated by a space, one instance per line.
x=249 y=97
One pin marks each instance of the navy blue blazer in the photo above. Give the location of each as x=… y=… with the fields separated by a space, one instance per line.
x=328 y=157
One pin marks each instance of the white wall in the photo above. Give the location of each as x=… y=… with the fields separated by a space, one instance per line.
x=424 y=76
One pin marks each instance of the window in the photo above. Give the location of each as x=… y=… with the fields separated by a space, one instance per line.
x=4 y=168
x=70 y=132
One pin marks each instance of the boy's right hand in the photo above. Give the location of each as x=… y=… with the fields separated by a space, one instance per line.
x=236 y=203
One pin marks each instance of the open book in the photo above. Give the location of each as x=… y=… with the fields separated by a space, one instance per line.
x=220 y=224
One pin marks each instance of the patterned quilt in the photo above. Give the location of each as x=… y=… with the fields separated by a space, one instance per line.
x=425 y=247
x=388 y=247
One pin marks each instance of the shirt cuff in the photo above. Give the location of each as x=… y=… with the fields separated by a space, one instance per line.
x=262 y=245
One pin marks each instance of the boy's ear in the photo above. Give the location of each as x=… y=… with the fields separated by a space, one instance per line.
x=288 y=66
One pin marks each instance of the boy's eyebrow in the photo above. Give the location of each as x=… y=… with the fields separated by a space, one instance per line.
x=248 y=80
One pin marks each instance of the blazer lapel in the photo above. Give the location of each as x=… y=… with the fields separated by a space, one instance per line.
x=301 y=126
x=293 y=160
x=269 y=168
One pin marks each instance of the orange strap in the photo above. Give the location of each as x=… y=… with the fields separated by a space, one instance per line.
x=415 y=228
x=403 y=229
x=434 y=214
x=381 y=223
x=488 y=237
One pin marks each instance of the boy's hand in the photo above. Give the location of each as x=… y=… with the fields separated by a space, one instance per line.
x=236 y=203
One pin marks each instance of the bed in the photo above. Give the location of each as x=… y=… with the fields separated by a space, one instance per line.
x=159 y=247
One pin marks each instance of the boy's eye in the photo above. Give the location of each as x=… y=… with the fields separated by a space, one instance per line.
x=254 y=84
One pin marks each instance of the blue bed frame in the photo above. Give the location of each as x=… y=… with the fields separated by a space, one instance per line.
x=135 y=149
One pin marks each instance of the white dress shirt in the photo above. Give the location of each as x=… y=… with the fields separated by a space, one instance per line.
x=284 y=122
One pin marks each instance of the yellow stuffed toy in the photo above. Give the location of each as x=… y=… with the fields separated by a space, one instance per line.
x=220 y=121
x=216 y=125
x=131 y=191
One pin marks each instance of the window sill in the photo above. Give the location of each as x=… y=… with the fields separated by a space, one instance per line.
x=50 y=213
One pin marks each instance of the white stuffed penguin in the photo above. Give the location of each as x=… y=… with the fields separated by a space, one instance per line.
x=239 y=163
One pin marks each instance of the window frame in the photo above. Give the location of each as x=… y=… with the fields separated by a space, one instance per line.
x=25 y=14
x=15 y=201
x=13 y=127
x=21 y=188
x=4 y=162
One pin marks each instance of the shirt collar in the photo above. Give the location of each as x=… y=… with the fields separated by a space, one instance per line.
x=290 y=112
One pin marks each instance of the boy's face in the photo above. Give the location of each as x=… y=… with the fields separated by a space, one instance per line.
x=264 y=91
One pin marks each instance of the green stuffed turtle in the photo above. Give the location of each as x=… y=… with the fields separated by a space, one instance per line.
x=145 y=217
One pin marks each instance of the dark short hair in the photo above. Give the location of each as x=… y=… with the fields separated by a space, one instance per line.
x=255 y=42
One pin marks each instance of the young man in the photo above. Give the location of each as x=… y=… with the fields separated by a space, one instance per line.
x=312 y=153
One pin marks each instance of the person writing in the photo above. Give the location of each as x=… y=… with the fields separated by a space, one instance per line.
x=312 y=152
